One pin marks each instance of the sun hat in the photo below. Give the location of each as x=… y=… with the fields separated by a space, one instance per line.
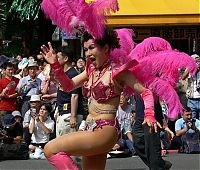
x=16 y=113
x=23 y=63
x=32 y=63
x=8 y=120
x=35 y=98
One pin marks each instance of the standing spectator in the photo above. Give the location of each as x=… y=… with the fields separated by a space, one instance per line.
x=80 y=65
x=35 y=104
x=8 y=94
x=49 y=88
x=31 y=86
x=193 y=90
x=70 y=106
x=187 y=132
x=147 y=142
x=19 y=57
x=40 y=127
x=43 y=70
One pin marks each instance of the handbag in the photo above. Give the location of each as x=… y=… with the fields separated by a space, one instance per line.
x=17 y=151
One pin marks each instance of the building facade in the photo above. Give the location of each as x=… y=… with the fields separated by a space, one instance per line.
x=178 y=21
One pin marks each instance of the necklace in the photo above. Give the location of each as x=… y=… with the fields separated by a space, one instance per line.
x=102 y=69
x=98 y=75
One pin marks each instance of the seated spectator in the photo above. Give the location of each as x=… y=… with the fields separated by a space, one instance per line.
x=18 y=117
x=13 y=131
x=40 y=127
x=166 y=136
x=126 y=118
x=13 y=145
x=35 y=104
x=127 y=134
x=187 y=132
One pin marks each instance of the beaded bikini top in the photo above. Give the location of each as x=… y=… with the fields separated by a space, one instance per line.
x=98 y=89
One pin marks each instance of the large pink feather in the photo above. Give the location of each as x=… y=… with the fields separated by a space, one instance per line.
x=93 y=15
x=61 y=12
x=167 y=93
x=90 y=15
x=166 y=65
x=94 y=22
x=127 y=44
x=148 y=46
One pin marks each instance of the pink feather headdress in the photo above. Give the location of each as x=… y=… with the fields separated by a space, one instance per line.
x=68 y=15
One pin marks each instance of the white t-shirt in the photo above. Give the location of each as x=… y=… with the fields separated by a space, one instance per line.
x=39 y=136
x=123 y=116
x=193 y=83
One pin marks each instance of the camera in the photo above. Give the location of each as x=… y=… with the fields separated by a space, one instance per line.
x=33 y=111
x=192 y=121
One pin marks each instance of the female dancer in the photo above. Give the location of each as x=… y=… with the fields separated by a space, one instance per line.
x=102 y=83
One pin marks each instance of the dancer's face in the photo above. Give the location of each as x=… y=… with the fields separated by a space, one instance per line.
x=97 y=54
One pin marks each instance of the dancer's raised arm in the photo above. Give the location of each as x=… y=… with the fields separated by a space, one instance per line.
x=68 y=84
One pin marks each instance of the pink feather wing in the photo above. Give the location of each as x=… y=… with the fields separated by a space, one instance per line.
x=148 y=46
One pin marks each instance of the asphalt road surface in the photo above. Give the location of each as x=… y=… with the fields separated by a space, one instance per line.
x=179 y=161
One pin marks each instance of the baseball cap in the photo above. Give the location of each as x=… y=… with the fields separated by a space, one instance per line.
x=16 y=113
x=35 y=98
x=8 y=120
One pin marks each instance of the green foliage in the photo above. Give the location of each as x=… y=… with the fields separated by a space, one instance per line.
x=13 y=49
x=26 y=9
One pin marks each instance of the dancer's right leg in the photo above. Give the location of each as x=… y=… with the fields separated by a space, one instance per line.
x=81 y=143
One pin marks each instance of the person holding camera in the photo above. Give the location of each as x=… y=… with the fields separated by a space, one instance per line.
x=41 y=126
x=193 y=89
x=187 y=132
x=35 y=103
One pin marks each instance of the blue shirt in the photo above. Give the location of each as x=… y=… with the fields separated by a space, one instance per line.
x=35 y=89
x=181 y=124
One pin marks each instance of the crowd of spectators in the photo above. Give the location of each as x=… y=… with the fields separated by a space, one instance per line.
x=35 y=109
